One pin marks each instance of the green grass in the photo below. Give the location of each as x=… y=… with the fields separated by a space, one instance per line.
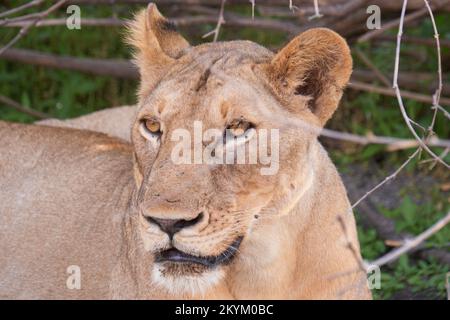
x=66 y=94
x=423 y=275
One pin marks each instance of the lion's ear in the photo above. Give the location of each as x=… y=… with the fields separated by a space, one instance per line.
x=317 y=63
x=157 y=45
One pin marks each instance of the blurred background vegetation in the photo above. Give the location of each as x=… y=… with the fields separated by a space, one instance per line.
x=414 y=201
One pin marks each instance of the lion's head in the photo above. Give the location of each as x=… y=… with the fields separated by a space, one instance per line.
x=196 y=215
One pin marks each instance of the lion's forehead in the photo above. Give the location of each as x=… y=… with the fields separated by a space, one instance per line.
x=213 y=97
x=214 y=60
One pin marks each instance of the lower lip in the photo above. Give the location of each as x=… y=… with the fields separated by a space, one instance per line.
x=174 y=255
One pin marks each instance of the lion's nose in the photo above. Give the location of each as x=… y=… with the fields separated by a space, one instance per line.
x=172 y=226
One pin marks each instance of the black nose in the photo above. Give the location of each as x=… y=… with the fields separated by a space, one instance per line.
x=172 y=226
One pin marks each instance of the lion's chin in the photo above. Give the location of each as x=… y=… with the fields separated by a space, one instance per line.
x=187 y=279
x=185 y=274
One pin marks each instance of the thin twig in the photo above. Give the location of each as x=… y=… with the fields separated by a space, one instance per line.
x=413 y=81
x=387 y=179
x=231 y=20
x=433 y=161
x=317 y=13
x=371 y=217
x=412 y=243
x=414 y=40
x=28 y=18
x=445 y=112
x=437 y=94
x=253 y=8
x=392 y=24
x=119 y=68
x=25 y=29
x=27 y=5
x=17 y=106
x=97 y=22
x=392 y=143
x=398 y=94
x=292 y=7
x=355 y=252
x=373 y=67
x=220 y=21
x=357 y=85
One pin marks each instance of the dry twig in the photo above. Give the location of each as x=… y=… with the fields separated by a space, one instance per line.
x=437 y=94
x=24 y=30
x=357 y=85
x=373 y=67
x=220 y=21
x=387 y=179
x=27 y=5
x=399 y=96
x=17 y=106
x=317 y=13
x=232 y=20
x=392 y=24
x=410 y=244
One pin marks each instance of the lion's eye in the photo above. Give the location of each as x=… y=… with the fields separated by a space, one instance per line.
x=150 y=129
x=238 y=127
x=153 y=126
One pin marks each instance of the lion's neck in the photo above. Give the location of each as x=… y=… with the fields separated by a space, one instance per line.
x=295 y=256
x=268 y=260
x=267 y=264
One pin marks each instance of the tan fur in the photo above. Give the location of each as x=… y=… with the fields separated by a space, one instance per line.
x=115 y=122
x=79 y=198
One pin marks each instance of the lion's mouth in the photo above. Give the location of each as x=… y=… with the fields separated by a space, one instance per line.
x=177 y=256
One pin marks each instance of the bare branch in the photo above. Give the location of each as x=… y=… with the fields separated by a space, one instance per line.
x=437 y=94
x=387 y=179
x=17 y=106
x=413 y=81
x=392 y=24
x=386 y=230
x=97 y=22
x=317 y=13
x=25 y=29
x=231 y=20
x=292 y=7
x=30 y=4
x=107 y=67
x=446 y=114
x=398 y=94
x=414 y=40
x=412 y=243
x=349 y=245
x=356 y=85
x=373 y=67
x=393 y=144
x=220 y=21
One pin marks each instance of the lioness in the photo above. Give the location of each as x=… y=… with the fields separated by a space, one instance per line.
x=85 y=215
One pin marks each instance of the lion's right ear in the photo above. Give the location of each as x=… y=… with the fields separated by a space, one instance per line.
x=157 y=45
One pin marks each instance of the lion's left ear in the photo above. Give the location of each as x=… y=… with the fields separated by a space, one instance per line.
x=316 y=63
